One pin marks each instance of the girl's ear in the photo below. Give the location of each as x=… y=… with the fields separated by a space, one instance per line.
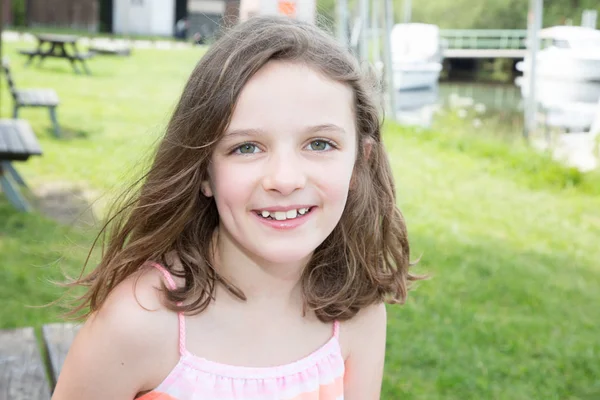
x=206 y=189
x=367 y=146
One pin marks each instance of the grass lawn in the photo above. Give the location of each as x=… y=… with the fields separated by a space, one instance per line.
x=511 y=240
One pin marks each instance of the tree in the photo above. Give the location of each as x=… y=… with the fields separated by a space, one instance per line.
x=474 y=14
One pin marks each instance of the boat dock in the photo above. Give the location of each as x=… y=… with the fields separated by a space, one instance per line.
x=485 y=53
x=484 y=43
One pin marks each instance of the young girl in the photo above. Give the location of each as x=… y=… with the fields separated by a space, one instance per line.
x=255 y=260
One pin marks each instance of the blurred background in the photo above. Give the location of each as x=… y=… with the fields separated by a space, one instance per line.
x=492 y=124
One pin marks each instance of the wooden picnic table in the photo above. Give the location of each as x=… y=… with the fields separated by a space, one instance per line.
x=22 y=367
x=58 y=46
x=17 y=143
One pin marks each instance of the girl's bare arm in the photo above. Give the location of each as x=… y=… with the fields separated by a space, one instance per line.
x=122 y=349
x=364 y=364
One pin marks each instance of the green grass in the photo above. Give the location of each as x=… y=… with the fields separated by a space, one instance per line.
x=511 y=309
x=510 y=238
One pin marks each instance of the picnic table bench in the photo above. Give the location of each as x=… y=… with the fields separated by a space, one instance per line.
x=17 y=143
x=22 y=366
x=58 y=46
x=38 y=97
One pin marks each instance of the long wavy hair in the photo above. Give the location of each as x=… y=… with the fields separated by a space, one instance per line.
x=364 y=261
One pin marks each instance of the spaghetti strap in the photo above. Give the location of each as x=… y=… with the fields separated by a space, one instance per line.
x=336 y=329
x=171 y=284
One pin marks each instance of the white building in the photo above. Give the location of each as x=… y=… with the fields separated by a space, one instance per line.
x=207 y=17
x=144 y=17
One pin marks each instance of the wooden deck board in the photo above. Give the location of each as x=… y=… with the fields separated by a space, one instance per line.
x=22 y=372
x=57 y=339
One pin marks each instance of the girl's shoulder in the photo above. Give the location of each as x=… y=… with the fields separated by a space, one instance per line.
x=134 y=314
x=362 y=330
x=131 y=340
x=137 y=300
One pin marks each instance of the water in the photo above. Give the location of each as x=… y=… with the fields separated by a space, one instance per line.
x=563 y=106
x=566 y=111
x=420 y=107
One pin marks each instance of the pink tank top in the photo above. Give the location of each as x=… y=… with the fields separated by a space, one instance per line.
x=318 y=376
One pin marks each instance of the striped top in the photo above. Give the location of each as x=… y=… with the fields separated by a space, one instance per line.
x=319 y=376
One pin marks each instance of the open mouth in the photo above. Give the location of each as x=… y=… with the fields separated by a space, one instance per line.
x=284 y=215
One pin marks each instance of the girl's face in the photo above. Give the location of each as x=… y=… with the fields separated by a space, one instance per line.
x=281 y=173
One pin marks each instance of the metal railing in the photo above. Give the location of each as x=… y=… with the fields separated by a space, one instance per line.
x=484 y=38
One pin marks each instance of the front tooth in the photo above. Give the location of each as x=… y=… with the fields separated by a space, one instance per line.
x=291 y=214
x=280 y=215
x=265 y=214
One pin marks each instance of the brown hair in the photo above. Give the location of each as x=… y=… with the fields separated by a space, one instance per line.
x=364 y=261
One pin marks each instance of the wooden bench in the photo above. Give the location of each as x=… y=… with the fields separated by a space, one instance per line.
x=26 y=373
x=58 y=46
x=46 y=98
x=30 y=53
x=17 y=143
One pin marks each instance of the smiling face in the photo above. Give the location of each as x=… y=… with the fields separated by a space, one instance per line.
x=281 y=173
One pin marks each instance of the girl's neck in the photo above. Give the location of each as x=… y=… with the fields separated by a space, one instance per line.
x=261 y=281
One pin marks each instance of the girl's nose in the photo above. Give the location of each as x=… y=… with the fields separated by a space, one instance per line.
x=284 y=174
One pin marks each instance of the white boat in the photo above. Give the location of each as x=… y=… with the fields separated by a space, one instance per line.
x=566 y=104
x=551 y=91
x=416 y=55
x=409 y=100
x=416 y=75
x=569 y=53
